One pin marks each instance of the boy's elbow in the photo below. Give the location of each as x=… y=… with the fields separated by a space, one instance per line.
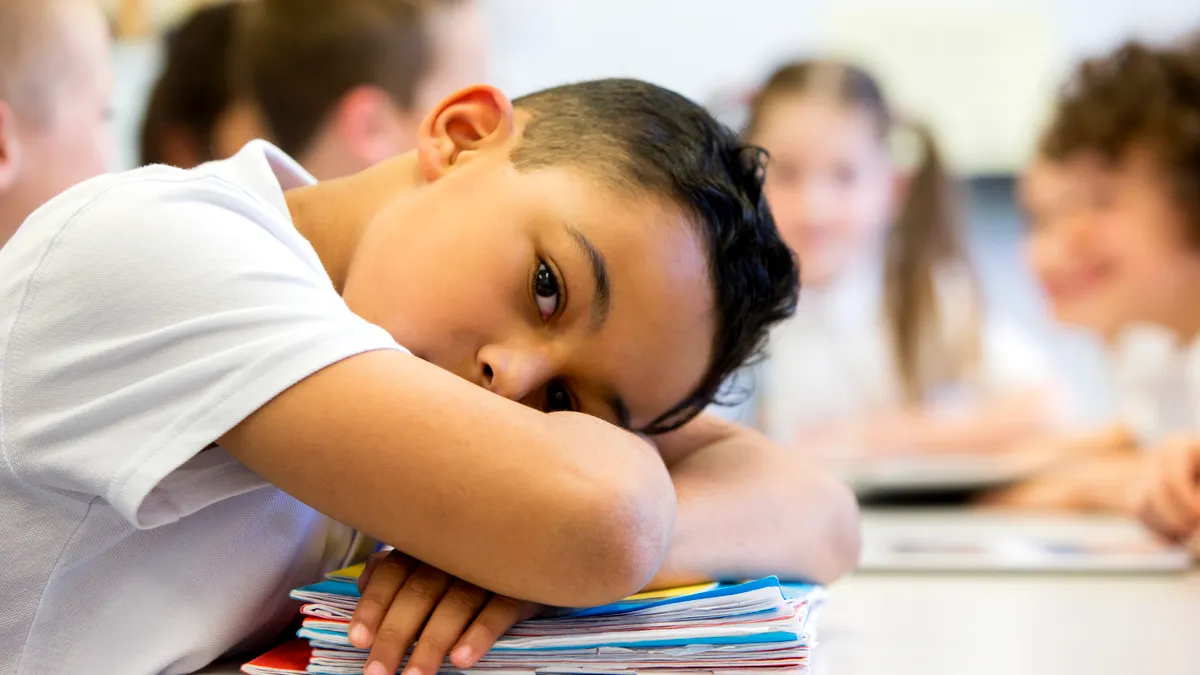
x=624 y=526
x=845 y=532
x=838 y=532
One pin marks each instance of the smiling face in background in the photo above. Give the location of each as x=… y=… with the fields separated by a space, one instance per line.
x=830 y=182
x=547 y=286
x=1108 y=242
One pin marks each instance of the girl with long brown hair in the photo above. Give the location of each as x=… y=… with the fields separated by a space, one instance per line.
x=891 y=349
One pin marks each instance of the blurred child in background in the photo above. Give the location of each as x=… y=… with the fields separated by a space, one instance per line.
x=54 y=97
x=1113 y=204
x=190 y=118
x=341 y=86
x=891 y=349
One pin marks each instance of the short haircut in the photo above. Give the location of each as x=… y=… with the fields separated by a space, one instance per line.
x=1137 y=96
x=651 y=140
x=194 y=88
x=30 y=55
x=298 y=58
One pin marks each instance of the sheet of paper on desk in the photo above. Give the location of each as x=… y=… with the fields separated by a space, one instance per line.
x=752 y=627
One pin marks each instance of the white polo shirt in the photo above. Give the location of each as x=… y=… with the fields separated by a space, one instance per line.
x=1157 y=383
x=142 y=315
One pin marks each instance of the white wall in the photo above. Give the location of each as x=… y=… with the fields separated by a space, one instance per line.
x=982 y=70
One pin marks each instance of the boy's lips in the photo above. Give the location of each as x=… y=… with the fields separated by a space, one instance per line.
x=1079 y=283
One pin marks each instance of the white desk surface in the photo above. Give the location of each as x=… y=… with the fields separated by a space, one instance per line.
x=1009 y=624
x=1018 y=623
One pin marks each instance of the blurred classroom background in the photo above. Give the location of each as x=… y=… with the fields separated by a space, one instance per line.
x=981 y=72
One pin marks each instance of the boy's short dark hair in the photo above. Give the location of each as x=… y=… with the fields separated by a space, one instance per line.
x=297 y=58
x=645 y=138
x=1137 y=96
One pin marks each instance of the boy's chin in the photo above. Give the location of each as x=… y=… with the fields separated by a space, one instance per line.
x=1091 y=319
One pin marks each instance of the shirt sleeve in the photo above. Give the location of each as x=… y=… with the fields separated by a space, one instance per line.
x=156 y=321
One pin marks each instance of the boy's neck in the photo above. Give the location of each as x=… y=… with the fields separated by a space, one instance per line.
x=1186 y=327
x=1183 y=328
x=9 y=222
x=333 y=215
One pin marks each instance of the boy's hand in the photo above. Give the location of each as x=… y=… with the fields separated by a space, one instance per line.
x=403 y=598
x=1169 y=498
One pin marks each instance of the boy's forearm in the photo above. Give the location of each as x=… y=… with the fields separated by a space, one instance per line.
x=748 y=508
x=487 y=490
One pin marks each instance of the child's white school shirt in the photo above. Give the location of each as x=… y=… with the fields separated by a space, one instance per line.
x=142 y=315
x=1157 y=383
x=833 y=360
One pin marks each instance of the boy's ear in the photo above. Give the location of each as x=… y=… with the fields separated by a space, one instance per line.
x=10 y=147
x=469 y=121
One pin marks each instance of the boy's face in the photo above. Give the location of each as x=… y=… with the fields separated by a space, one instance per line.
x=545 y=286
x=1108 y=243
x=72 y=143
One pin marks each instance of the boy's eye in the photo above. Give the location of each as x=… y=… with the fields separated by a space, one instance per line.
x=545 y=290
x=558 y=399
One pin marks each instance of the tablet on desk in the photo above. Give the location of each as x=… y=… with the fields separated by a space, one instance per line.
x=882 y=476
x=991 y=553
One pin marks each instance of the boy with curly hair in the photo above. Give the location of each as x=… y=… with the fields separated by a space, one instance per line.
x=1114 y=212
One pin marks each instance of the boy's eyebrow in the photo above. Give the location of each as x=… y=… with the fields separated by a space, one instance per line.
x=600 y=302
x=600 y=299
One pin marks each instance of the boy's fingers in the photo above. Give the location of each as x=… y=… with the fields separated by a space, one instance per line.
x=454 y=613
x=373 y=561
x=1176 y=499
x=500 y=614
x=1165 y=514
x=410 y=609
x=388 y=574
x=1182 y=469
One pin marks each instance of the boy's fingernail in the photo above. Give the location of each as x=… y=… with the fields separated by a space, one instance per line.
x=461 y=656
x=412 y=670
x=376 y=668
x=360 y=636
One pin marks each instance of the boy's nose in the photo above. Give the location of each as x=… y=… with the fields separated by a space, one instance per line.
x=514 y=373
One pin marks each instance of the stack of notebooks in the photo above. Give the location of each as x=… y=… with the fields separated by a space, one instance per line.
x=761 y=626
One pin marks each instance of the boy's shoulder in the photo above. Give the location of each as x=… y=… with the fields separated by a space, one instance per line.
x=159 y=237
x=163 y=202
x=256 y=176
